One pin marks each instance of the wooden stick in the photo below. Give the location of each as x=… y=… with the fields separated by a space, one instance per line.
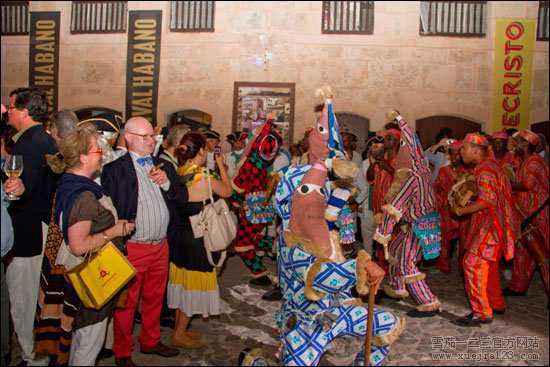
x=368 y=339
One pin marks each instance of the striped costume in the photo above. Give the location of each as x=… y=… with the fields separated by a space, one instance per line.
x=410 y=201
x=491 y=235
x=533 y=175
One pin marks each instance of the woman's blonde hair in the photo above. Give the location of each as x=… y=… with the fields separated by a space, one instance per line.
x=73 y=144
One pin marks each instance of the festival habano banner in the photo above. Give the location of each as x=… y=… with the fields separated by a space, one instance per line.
x=142 y=68
x=513 y=72
x=44 y=55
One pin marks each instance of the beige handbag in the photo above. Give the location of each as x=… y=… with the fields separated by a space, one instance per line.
x=215 y=225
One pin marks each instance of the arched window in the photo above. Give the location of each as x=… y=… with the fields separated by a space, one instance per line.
x=194 y=119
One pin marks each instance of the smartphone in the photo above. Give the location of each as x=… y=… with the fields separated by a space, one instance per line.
x=218 y=150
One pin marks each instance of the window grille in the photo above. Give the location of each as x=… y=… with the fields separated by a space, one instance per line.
x=98 y=16
x=348 y=17
x=542 y=21
x=15 y=18
x=453 y=18
x=192 y=16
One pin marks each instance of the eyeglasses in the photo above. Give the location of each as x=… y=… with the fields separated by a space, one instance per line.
x=144 y=136
x=98 y=151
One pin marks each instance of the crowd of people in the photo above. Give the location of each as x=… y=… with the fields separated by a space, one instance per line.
x=86 y=184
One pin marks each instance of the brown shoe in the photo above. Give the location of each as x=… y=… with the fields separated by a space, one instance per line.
x=124 y=361
x=161 y=350
x=187 y=342
x=195 y=334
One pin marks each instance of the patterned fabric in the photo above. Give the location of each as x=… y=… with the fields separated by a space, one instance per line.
x=258 y=208
x=482 y=282
x=428 y=231
x=493 y=230
x=346 y=223
x=449 y=225
x=57 y=303
x=510 y=158
x=442 y=185
x=381 y=185
x=253 y=179
x=413 y=200
x=309 y=327
x=533 y=175
x=406 y=249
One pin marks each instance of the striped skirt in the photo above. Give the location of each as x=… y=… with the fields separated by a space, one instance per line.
x=193 y=292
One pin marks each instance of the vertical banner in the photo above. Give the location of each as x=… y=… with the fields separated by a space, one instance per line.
x=44 y=55
x=513 y=72
x=142 y=68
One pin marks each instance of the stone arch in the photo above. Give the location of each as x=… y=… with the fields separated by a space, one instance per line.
x=356 y=124
x=428 y=127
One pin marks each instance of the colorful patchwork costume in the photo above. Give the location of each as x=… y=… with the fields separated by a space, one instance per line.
x=252 y=182
x=412 y=207
x=315 y=278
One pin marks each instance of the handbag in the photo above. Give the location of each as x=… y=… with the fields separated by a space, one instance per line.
x=101 y=277
x=215 y=225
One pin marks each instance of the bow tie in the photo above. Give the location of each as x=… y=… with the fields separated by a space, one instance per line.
x=144 y=161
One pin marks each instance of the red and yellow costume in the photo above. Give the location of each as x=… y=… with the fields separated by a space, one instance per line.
x=492 y=233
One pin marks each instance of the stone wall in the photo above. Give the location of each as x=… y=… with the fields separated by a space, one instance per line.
x=394 y=67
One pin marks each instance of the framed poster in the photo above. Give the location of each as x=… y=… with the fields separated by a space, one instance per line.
x=253 y=102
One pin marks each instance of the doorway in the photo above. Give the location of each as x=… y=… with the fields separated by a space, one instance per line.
x=427 y=128
x=355 y=124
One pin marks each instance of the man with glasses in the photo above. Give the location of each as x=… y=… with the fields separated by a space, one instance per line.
x=150 y=206
x=27 y=110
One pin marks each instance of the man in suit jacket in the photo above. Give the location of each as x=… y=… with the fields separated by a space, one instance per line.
x=27 y=109
x=143 y=192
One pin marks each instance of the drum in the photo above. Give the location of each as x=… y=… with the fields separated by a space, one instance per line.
x=463 y=192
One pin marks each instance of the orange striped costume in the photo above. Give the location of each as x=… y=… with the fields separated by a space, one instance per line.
x=492 y=233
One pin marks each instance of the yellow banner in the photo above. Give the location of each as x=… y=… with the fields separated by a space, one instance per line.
x=513 y=72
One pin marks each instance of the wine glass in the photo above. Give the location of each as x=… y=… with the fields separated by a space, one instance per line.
x=13 y=167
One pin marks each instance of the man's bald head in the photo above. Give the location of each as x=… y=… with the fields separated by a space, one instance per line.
x=139 y=135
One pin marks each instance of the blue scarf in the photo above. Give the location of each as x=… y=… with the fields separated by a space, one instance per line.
x=68 y=189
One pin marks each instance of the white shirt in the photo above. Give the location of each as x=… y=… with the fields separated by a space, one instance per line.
x=152 y=215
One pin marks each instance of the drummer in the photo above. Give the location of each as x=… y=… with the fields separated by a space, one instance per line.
x=531 y=191
x=491 y=232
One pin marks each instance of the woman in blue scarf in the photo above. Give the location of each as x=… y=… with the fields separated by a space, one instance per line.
x=88 y=221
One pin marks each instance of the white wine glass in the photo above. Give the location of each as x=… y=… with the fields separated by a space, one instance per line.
x=13 y=167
